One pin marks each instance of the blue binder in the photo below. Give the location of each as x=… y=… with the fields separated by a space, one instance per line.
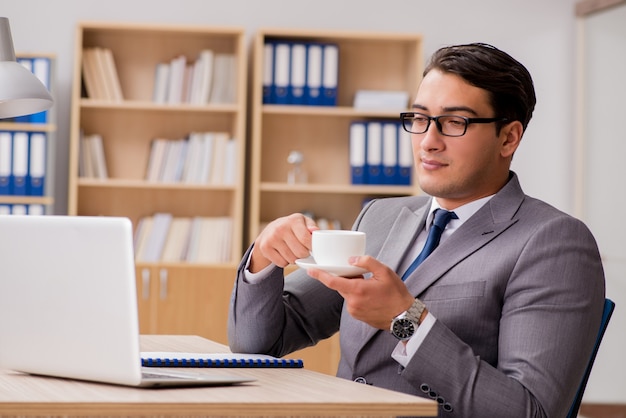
x=374 y=161
x=358 y=147
x=19 y=169
x=268 y=72
x=28 y=64
x=36 y=164
x=282 y=69
x=313 y=86
x=330 y=74
x=405 y=158
x=298 y=73
x=6 y=157
x=390 y=153
x=41 y=69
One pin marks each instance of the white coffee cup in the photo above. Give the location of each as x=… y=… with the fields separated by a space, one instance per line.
x=333 y=247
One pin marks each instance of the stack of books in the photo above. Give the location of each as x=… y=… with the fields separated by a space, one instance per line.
x=100 y=75
x=202 y=158
x=211 y=78
x=91 y=158
x=164 y=238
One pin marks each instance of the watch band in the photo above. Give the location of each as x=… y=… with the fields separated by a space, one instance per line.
x=415 y=311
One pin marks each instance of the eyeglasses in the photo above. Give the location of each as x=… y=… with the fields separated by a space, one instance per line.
x=448 y=125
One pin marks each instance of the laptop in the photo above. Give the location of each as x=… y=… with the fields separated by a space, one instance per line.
x=68 y=303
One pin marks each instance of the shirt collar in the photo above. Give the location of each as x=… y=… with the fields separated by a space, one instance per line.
x=463 y=212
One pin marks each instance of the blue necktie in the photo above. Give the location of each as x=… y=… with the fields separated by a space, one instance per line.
x=442 y=217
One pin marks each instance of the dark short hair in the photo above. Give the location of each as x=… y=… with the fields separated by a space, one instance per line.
x=507 y=81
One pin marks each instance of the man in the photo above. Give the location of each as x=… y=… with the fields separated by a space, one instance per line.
x=500 y=320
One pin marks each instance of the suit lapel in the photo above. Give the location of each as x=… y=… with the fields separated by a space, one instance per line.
x=403 y=232
x=474 y=234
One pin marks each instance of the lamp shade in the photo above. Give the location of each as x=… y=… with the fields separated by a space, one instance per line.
x=21 y=92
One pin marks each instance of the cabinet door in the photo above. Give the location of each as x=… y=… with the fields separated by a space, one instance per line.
x=191 y=301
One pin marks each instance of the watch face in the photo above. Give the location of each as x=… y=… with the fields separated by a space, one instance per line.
x=403 y=329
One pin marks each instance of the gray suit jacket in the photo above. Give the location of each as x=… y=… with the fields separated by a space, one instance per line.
x=517 y=292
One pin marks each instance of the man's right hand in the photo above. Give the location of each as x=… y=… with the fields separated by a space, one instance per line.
x=282 y=242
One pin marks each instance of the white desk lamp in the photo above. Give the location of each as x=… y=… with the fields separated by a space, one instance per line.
x=21 y=92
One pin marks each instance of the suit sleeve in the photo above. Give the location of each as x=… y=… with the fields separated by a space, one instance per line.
x=280 y=314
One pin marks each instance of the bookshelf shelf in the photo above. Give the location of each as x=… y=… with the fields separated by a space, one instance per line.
x=128 y=128
x=336 y=188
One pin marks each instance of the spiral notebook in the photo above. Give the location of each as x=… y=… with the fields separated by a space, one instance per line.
x=233 y=360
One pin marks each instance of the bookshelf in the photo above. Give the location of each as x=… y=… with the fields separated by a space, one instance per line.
x=175 y=296
x=34 y=135
x=367 y=61
x=371 y=61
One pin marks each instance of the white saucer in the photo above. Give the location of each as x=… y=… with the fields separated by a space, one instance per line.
x=344 y=271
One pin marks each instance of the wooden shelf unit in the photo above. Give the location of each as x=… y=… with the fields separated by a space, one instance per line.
x=367 y=61
x=173 y=297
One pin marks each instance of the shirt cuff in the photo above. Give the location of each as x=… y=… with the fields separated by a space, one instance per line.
x=254 y=278
x=403 y=353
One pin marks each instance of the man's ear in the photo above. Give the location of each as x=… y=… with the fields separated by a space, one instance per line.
x=511 y=136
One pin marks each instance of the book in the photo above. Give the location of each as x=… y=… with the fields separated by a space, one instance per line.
x=92 y=78
x=231 y=360
x=223 y=88
x=176 y=80
x=113 y=81
x=203 y=77
x=153 y=249
x=161 y=81
x=98 y=156
x=177 y=240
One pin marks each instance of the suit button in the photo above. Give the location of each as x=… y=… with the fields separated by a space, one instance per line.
x=361 y=379
x=424 y=388
x=447 y=407
x=440 y=400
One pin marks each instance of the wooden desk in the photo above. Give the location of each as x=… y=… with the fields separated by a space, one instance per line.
x=277 y=392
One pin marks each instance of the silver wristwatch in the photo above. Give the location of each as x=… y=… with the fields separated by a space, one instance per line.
x=404 y=325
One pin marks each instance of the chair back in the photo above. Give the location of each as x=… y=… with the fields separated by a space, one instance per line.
x=609 y=306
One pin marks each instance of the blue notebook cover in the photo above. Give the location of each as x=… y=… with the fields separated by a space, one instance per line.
x=220 y=360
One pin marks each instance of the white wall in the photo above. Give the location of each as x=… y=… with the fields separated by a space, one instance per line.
x=539 y=33
x=604 y=134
